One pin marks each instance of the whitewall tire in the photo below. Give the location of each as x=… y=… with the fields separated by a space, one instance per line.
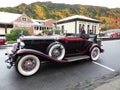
x=95 y=53
x=28 y=65
x=56 y=51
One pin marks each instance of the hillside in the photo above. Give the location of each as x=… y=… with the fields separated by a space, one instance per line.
x=45 y=10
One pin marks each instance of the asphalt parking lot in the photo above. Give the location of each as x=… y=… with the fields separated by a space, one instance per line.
x=71 y=76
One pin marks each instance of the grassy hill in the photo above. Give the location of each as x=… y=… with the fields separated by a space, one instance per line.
x=45 y=10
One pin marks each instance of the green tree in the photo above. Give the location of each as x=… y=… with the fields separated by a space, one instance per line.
x=15 y=34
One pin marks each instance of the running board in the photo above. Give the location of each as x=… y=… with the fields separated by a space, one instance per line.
x=76 y=58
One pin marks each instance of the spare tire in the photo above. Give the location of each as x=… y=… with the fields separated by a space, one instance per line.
x=56 y=50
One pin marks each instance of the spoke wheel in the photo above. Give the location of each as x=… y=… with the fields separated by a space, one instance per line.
x=28 y=65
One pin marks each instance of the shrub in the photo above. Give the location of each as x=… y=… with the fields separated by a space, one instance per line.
x=15 y=34
x=51 y=31
x=57 y=32
x=45 y=31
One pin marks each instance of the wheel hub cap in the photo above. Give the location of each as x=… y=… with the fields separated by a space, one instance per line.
x=28 y=64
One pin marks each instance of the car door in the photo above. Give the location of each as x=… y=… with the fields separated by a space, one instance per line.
x=74 y=45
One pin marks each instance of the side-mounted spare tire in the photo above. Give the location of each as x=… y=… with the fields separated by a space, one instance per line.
x=56 y=50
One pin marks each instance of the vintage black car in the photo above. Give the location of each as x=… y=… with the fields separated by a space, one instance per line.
x=28 y=53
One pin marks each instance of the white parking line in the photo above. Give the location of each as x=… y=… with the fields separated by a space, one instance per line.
x=104 y=66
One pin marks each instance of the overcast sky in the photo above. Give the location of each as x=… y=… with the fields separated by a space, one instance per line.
x=105 y=3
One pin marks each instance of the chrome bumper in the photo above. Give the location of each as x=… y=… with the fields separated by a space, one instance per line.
x=10 y=60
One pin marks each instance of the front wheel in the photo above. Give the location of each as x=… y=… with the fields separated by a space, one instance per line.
x=28 y=65
x=95 y=53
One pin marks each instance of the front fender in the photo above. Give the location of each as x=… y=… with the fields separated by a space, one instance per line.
x=37 y=53
x=28 y=51
x=12 y=57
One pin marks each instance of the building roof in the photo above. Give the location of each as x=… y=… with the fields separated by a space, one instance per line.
x=8 y=18
x=78 y=17
x=38 y=22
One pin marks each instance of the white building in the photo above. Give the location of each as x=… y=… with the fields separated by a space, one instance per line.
x=73 y=24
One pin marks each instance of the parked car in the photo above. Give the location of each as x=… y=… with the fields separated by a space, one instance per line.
x=28 y=53
x=2 y=40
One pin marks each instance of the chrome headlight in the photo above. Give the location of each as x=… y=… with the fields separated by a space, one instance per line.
x=14 y=47
x=17 y=46
x=22 y=44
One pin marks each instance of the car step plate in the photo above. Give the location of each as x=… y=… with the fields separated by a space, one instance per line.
x=76 y=58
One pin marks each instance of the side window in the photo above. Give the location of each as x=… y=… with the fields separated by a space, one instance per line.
x=80 y=27
x=62 y=28
x=88 y=29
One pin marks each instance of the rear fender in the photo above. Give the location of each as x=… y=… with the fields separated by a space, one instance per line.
x=94 y=45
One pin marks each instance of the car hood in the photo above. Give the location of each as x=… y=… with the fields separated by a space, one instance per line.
x=53 y=37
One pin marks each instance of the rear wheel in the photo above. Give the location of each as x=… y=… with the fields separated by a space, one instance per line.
x=95 y=53
x=28 y=65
